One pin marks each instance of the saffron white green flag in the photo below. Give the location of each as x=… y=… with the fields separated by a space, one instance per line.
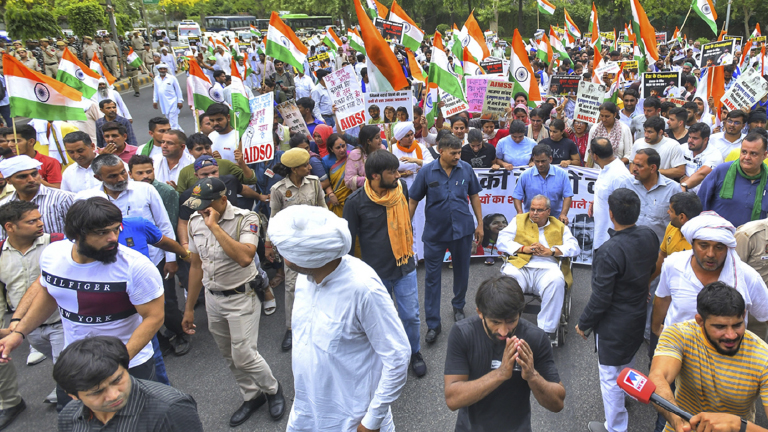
x=412 y=34
x=204 y=94
x=546 y=7
x=283 y=45
x=355 y=41
x=77 y=75
x=133 y=59
x=440 y=71
x=706 y=10
x=521 y=72
x=239 y=100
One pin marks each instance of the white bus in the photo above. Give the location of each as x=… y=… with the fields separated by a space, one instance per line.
x=188 y=30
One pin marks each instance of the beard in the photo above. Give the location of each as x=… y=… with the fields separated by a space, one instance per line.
x=6 y=152
x=117 y=187
x=104 y=92
x=392 y=185
x=104 y=255
x=730 y=353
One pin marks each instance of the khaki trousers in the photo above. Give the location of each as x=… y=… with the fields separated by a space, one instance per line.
x=290 y=294
x=112 y=66
x=234 y=323
x=9 y=386
x=134 y=75
x=52 y=70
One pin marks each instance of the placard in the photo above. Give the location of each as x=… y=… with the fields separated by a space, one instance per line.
x=738 y=39
x=760 y=40
x=257 y=142
x=321 y=57
x=497 y=97
x=608 y=36
x=717 y=53
x=453 y=105
x=382 y=108
x=748 y=89
x=293 y=118
x=475 y=93
x=563 y=85
x=659 y=84
x=630 y=65
x=347 y=94
x=492 y=66
x=661 y=38
x=588 y=100
x=390 y=30
x=626 y=47
x=611 y=68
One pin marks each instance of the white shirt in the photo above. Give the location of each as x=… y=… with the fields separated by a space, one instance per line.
x=167 y=93
x=350 y=353
x=100 y=295
x=225 y=144
x=609 y=179
x=224 y=62
x=122 y=109
x=669 y=151
x=304 y=86
x=156 y=151
x=164 y=174
x=709 y=157
x=718 y=142
x=140 y=200
x=76 y=178
x=358 y=67
x=569 y=247
x=678 y=280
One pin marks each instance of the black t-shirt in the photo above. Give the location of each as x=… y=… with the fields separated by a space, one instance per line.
x=683 y=140
x=482 y=159
x=471 y=352
x=233 y=185
x=561 y=150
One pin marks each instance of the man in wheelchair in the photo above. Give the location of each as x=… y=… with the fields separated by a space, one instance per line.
x=537 y=248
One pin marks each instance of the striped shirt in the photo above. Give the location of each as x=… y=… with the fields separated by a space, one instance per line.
x=53 y=205
x=713 y=382
x=151 y=407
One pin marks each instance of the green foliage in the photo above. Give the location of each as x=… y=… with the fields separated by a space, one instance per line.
x=32 y=23
x=443 y=28
x=123 y=22
x=86 y=18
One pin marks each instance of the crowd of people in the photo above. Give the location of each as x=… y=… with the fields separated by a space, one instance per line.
x=97 y=228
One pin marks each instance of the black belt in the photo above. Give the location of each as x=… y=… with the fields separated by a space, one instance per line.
x=110 y=56
x=51 y=64
x=239 y=290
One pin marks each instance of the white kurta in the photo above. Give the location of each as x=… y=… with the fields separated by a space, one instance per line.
x=170 y=60
x=418 y=217
x=114 y=96
x=350 y=353
x=609 y=179
x=164 y=174
x=167 y=94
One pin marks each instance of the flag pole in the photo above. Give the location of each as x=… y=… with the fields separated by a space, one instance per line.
x=537 y=17
x=686 y=19
x=15 y=139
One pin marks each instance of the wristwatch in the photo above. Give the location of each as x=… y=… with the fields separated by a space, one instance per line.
x=685 y=186
x=743 y=426
x=553 y=250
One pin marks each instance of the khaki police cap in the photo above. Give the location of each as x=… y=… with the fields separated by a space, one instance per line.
x=295 y=157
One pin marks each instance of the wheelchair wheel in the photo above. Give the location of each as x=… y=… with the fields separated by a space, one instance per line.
x=567 y=306
x=561 y=335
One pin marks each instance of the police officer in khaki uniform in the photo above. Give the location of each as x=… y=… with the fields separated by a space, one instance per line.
x=752 y=248
x=148 y=59
x=89 y=49
x=26 y=60
x=16 y=47
x=222 y=242
x=111 y=55
x=50 y=59
x=137 y=42
x=133 y=74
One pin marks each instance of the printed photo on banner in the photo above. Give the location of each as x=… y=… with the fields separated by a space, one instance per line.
x=257 y=142
x=661 y=38
x=497 y=97
x=387 y=108
x=748 y=89
x=492 y=66
x=475 y=92
x=390 y=30
x=453 y=105
x=293 y=118
x=347 y=95
x=626 y=47
x=660 y=84
x=717 y=53
x=564 y=85
x=588 y=100
x=738 y=39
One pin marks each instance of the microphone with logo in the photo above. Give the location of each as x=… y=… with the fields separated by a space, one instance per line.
x=640 y=388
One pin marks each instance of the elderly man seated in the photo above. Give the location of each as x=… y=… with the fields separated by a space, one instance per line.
x=533 y=243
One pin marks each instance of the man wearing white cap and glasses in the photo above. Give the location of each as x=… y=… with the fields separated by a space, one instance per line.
x=22 y=173
x=168 y=95
x=351 y=350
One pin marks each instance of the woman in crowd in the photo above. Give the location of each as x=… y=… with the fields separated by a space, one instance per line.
x=320 y=135
x=335 y=164
x=536 y=129
x=578 y=133
x=617 y=132
x=564 y=151
x=368 y=141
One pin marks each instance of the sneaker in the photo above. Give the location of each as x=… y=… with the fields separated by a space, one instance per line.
x=181 y=345
x=52 y=398
x=596 y=426
x=417 y=365
x=35 y=357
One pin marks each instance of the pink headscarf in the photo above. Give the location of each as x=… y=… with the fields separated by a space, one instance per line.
x=325 y=131
x=525 y=107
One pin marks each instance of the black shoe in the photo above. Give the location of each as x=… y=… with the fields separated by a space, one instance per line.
x=431 y=336
x=137 y=94
x=8 y=415
x=276 y=403
x=287 y=340
x=246 y=410
x=458 y=314
x=181 y=345
x=418 y=365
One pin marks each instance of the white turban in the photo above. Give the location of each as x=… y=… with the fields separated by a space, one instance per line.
x=309 y=236
x=401 y=129
x=161 y=65
x=712 y=227
x=11 y=166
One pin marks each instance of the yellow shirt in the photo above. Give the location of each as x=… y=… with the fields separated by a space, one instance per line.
x=713 y=382
x=674 y=241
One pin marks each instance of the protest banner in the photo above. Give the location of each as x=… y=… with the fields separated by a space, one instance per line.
x=563 y=85
x=293 y=118
x=495 y=66
x=609 y=36
x=661 y=38
x=497 y=97
x=498 y=206
x=388 y=107
x=588 y=100
x=748 y=89
x=659 y=84
x=626 y=47
x=738 y=39
x=318 y=58
x=257 y=142
x=347 y=95
x=610 y=68
x=453 y=105
x=630 y=65
x=389 y=30
x=758 y=41
x=475 y=92
x=717 y=53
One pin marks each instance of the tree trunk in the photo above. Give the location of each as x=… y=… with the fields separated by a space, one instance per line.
x=747 y=16
x=469 y=3
x=495 y=23
x=520 y=15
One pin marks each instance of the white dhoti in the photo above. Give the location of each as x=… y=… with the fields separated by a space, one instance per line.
x=547 y=283
x=616 y=417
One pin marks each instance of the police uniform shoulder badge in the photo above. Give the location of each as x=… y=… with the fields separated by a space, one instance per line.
x=255 y=228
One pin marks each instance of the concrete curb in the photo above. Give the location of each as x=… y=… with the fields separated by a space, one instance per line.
x=125 y=84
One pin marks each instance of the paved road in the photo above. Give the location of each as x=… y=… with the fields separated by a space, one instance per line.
x=421 y=407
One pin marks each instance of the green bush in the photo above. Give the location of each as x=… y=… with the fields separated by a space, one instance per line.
x=30 y=23
x=86 y=18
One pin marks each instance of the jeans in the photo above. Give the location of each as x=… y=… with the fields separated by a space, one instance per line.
x=329 y=120
x=434 y=252
x=160 y=372
x=406 y=290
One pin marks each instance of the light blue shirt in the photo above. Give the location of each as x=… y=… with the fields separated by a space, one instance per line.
x=654 y=203
x=513 y=153
x=323 y=105
x=556 y=186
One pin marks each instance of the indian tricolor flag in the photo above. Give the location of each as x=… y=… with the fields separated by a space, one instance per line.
x=203 y=92
x=756 y=33
x=331 y=40
x=99 y=68
x=571 y=27
x=416 y=72
x=546 y=7
x=384 y=71
x=255 y=31
x=470 y=66
x=557 y=45
x=706 y=10
x=355 y=41
x=75 y=74
x=240 y=104
x=457 y=48
x=133 y=59
x=35 y=95
x=376 y=9
x=597 y=62
x=440 y=70
x=594 y=28
x=521 y=72
x=476 y=45
x=412 y=34
x=544 y=51
x=283 y=45
x=646 y=34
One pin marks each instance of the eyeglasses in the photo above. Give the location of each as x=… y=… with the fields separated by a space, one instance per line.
x=733 y=122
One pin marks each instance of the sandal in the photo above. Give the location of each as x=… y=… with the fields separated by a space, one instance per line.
x=490 y=261
x=277 y=279
x=270 y=306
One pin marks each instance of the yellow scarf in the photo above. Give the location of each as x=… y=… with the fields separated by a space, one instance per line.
x=414 y=147
x=398 y=220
